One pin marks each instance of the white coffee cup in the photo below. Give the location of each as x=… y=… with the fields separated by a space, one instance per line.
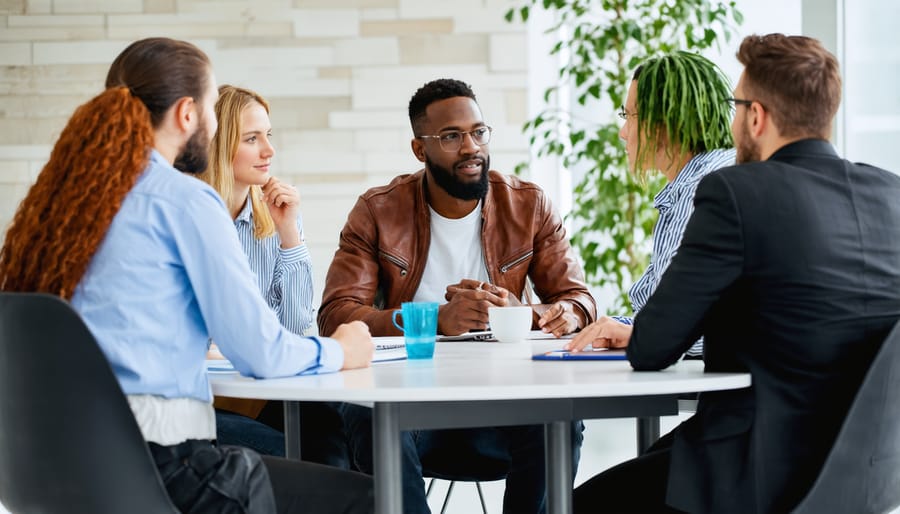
x=510 y=324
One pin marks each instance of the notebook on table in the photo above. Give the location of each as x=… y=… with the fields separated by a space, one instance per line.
x=588 y=354
x=389 y=349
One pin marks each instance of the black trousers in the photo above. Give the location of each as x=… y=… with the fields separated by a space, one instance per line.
x=203 y=478
x=637 y=486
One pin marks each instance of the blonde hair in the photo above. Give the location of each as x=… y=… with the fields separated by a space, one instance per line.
x=220 y=172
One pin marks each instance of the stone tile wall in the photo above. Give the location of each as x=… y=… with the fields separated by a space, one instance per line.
x=338 y=74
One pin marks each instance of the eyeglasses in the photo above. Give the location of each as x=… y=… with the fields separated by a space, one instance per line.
x=451 y=141
x=625 y=114
x=738 y=101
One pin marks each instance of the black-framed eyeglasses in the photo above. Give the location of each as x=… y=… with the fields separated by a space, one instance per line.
x=739 y=101
x=452 y=140
x=623 y=114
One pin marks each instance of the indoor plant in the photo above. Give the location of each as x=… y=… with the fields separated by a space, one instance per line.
x=600 y=42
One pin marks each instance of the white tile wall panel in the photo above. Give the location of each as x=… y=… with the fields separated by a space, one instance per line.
x=24 y=152
x=383 y=139
x=381 y=94
x=379 y=14
x=97 y=6
x=420 y=9
x=90 y=20
x=393 y=119
x=39 y=6
x=15 y=54
x=320 y=161
x=303 y=140
x=14 y=172
x=508 y=52
x=367 y=51
x=78 y=52
x=488 y=20
x=326 y=22
x=395 y=162
x=64 y=33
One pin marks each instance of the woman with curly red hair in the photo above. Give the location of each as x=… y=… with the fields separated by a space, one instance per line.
x=149 y=258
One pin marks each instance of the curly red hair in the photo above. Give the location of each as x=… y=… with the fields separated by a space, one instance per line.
x=59 y=225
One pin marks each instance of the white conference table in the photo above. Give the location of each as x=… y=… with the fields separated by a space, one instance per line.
x=484 y=384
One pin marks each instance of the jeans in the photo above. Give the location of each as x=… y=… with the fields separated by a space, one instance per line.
x=202 y=478
x=469 y=454
x=235 y=429
x=321 y=432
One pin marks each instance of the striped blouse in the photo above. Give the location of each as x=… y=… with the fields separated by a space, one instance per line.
x=284 y=276
x=675 y=203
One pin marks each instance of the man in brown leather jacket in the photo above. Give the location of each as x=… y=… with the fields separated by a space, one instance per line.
x=466 y=237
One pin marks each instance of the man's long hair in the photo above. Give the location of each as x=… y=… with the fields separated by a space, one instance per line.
x=59 y=225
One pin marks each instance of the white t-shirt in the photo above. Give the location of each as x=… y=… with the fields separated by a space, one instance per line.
x=455 y=253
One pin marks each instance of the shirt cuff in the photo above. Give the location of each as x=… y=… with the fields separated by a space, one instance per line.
x=625 y=320
x=295 y=255
x=331 y=355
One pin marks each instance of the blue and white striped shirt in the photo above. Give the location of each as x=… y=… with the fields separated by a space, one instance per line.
x=675 y=203
x=284 y=276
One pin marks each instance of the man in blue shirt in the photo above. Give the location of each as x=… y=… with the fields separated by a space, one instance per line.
x=149 y=257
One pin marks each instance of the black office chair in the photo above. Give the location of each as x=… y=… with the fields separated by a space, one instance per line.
x=862 y=471
x=488 y=470
x=68 y=440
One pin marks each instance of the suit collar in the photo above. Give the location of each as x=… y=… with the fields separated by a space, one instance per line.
x=804 y=147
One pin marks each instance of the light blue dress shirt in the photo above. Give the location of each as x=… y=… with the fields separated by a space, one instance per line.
x=675 y=203
x=169 y=275
x=284 y=276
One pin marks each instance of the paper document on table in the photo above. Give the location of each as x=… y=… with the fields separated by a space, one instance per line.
x=389 y=349
x=487 y=335
x=219 y=366
x=480 y=335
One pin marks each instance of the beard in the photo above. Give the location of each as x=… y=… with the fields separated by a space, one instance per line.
x=194 y=157
x=446 y=179
x=747 y=149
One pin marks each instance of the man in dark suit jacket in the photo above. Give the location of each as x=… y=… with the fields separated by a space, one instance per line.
x=790 y=269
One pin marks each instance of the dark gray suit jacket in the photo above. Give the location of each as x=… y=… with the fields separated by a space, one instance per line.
x=790 y=269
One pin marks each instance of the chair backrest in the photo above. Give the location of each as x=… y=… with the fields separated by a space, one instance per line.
x=68 y=439
x=862 y=471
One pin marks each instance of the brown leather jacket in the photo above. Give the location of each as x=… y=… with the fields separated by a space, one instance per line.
x=384 y=246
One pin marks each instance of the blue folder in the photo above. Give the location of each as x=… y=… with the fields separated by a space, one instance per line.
x=599 y=354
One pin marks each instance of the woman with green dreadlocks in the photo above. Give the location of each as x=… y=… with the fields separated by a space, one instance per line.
x=677 y=121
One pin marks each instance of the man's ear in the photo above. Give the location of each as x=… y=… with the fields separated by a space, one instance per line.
x=760 y=121
x=186 y=116
x=418 y=149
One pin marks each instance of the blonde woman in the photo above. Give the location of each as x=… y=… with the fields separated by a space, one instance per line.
x=265 y=211
x=267 y=219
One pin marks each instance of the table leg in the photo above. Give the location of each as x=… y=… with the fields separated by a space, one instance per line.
x=292 y=430
x=386 y=449
x=647 y=432
x=558 y=452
